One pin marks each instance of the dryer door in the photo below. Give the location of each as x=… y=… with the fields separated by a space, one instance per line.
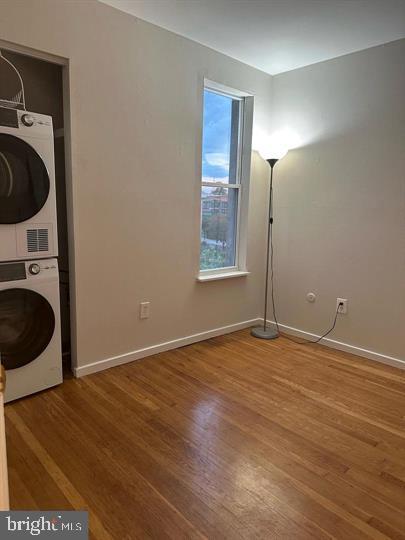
x=24 y=180
x=27 y=324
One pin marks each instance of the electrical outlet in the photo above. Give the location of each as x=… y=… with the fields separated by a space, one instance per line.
x=311 y=297
x=341 y=308
x=144 y=310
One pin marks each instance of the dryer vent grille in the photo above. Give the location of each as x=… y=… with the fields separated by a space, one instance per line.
x=37 y=240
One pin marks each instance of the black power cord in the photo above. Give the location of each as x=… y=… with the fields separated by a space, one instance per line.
x=305 y=342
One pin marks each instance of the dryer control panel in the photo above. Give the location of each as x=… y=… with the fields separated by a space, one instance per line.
x=16 y=271
x=27 y=123
x=29 y=119
x=12 y=271
x=8 y=117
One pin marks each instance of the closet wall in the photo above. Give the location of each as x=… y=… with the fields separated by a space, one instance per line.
x=44 y=94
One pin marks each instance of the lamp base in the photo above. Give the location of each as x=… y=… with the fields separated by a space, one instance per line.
x=268 y=333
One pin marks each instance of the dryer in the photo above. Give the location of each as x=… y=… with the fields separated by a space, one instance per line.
x=28 y=228
x=30 y=336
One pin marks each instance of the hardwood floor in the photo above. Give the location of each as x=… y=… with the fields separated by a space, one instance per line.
x=229 y=438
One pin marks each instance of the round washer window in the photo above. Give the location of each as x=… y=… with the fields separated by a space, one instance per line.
x=24 y=180
x=27 y=324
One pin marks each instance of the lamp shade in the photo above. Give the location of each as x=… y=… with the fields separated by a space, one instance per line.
x=273 y=152
x=272 y=146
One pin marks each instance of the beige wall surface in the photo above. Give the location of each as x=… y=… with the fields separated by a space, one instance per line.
x=136 y=106
x=340 y=197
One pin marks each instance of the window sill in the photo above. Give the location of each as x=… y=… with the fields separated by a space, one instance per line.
x=224 y=275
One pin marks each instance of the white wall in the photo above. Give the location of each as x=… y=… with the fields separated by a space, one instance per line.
x=136 y=106
x=136 y=115
x=340 y=197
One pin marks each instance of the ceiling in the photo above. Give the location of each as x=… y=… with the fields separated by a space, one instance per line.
x=277 y=35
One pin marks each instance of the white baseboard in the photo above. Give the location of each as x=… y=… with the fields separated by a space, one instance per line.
x=371 y=355
x=94 y=367
x=81 y=371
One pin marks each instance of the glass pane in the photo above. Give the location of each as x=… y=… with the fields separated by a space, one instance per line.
x=220 y=138
x=27 y=324
x=24 y=181
x=219 y=208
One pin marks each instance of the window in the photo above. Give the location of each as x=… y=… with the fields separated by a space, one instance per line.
x=227 y=127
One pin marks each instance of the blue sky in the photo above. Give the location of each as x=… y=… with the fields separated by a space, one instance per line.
x=216 y=135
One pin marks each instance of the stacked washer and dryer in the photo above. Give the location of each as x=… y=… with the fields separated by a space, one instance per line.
x=30 y=335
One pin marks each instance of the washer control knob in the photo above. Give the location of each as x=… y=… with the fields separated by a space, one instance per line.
x=34 y=269
x=27 y=120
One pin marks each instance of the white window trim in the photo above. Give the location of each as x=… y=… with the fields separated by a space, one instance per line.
x=244 y=158
x=221 y=275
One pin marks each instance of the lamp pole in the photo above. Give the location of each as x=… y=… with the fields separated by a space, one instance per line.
x=264 y=332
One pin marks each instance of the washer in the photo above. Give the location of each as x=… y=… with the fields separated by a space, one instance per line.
x=28 y=228
x=30 y=336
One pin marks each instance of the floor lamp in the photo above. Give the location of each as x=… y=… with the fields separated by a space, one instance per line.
x=264 y=331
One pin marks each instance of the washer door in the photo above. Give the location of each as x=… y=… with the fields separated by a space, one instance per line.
x=24 y=180
x=27 y=324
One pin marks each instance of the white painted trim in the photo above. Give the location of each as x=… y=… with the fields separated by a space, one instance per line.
x=245 y=130
x=27 y=51
x=65 y=64
x=225 y=90
x=221 y=275
x=332 y=343
x=113 y=361
x=81 y=371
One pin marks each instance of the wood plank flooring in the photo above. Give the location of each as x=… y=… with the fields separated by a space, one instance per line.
x=229 y=438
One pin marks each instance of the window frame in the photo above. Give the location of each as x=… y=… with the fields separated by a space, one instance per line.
x=242 y=181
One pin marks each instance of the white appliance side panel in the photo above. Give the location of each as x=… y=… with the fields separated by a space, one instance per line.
x=13 y=237
x=8 y=243
x=42 y=373
x=34 y=238
x=47 y=216
x=46 y=370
